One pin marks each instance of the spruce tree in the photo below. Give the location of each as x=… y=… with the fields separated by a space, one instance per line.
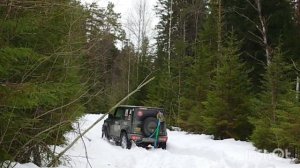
x=275 y=106
x=41 y=88
x=227 y=106
x=288 y=127
x=197 y=76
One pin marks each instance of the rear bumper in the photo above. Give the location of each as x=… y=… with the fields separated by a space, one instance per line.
x=152 y=140
x=141 y=139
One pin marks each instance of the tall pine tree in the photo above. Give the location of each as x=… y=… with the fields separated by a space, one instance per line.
x=275 y=107
x=227 y=107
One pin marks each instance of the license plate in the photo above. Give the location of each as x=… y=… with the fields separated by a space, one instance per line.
x=148 y=139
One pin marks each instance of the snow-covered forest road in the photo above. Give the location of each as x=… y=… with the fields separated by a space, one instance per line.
x=183 y=151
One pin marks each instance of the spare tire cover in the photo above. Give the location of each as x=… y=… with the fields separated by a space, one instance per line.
x=149 y=126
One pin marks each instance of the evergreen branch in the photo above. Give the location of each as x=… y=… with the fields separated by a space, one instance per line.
x=34 y=67
x=37 y=135
x=65 y=105
x=256 y=59
x=6 y=129
x=97 y=121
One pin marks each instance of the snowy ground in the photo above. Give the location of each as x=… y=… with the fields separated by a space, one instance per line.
x=184 y=150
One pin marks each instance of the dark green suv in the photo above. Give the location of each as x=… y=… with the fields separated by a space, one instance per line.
x=142 y=125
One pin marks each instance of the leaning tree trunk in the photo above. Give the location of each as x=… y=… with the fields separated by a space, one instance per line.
x=297 y=88
x=298 y=23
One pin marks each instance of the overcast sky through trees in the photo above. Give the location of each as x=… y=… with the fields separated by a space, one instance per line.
x=127 y=10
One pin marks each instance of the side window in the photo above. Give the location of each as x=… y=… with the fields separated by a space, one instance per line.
x=128 y=113
x=120 y=113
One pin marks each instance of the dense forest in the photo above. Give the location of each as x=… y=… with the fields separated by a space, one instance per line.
x=224 y=68
x=230 y=69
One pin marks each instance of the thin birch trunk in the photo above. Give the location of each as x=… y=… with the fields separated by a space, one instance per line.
x=169 y=43
x=263 y=31
x=128 y=75
x=297 y=88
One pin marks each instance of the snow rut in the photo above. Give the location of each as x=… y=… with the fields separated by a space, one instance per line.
x=184 y=151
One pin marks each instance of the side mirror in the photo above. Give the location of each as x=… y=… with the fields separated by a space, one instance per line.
x=110 y=116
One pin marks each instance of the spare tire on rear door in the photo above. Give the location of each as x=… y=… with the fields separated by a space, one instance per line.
x=149 y=126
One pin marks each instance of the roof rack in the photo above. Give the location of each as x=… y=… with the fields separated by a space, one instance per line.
x=133 y=106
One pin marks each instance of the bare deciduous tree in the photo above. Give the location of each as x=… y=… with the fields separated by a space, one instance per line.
x=138 y=27
x=262 y=27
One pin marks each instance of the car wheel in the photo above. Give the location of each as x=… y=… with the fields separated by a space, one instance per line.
x=163 y=145
x=105 y=134
x=125 y=142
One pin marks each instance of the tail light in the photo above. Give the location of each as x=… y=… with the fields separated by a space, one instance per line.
x=140 y=113
x=135 y=138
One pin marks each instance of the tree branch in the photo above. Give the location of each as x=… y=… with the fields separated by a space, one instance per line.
x=85 y=149
x=295 y=66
